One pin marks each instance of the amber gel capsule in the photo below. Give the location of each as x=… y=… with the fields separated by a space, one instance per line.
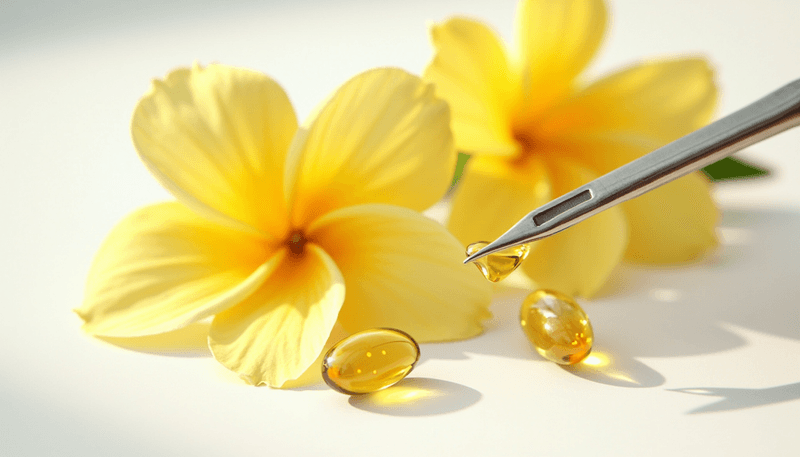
x=557 y=326
x=496 y=267
x=369 y=361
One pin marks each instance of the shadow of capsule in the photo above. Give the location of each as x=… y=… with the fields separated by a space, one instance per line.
x=418 y=397
x=600 y=366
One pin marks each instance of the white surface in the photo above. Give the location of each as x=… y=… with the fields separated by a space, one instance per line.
x=70 y=74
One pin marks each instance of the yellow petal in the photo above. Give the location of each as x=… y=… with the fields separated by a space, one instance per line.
x=382 y=138
x=313 y=374
x=163 y=267
x=217 y=138
x=192 y=339
x=403 y=270
x=662 y=100
x=602 y=151
x=557 y=39
x=471 y=72
x=493 y=195
x=673 y=223
x=579 y=260
x=276 y=334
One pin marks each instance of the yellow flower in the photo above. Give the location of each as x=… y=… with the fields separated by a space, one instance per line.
x=536 y=132
x=279 y=232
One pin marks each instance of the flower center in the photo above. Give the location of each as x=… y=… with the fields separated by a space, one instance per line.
x=296 y=242
x=525 y=140
x=527 y=147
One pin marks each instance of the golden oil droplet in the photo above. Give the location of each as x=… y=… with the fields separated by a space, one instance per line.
x=496 y=267
x=349 y=367
x=557 y=326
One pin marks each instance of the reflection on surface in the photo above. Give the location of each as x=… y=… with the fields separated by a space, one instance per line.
x=665 y=295
x=600 y=366
x=732 y=236
x=418 y=397
x=596 y=360
x=190 y=341
x=733 y=399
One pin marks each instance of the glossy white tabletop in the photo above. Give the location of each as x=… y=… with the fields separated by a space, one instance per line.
x=703 y=359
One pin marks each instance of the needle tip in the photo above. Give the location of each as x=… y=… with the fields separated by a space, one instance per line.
x=495 y=246
x=471 y=258
x=521 y=232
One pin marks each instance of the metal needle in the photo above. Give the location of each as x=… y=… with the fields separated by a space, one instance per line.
x=762 y=119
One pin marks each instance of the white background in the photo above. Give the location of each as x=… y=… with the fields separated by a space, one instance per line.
x=704 y=358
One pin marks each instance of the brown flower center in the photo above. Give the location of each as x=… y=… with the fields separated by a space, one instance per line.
x=527 y=149
x=296 y=242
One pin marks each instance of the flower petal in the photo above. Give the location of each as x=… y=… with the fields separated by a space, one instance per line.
x=313 y=374
x=382 y=138
x=673 y=223
x=557 y=39
x=602 y=151
x=493 y=195
x=662 y=100
x=164 y=267
x=217 y=138
x=189 y=340
x=275 y=334
x=471 y=72
x=403 y=270
x=579 y=260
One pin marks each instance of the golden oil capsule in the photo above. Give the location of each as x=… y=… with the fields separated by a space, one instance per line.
x=369 y=361
x=557 y=326
x=496 y=267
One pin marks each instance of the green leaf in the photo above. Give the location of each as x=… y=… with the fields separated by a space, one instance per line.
x=460 y=163
x=729 y=169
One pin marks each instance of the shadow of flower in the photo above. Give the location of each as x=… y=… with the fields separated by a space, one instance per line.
x=732 y=399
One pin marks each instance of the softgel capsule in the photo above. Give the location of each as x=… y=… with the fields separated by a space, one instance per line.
x=557 y=326
x=369 y=361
